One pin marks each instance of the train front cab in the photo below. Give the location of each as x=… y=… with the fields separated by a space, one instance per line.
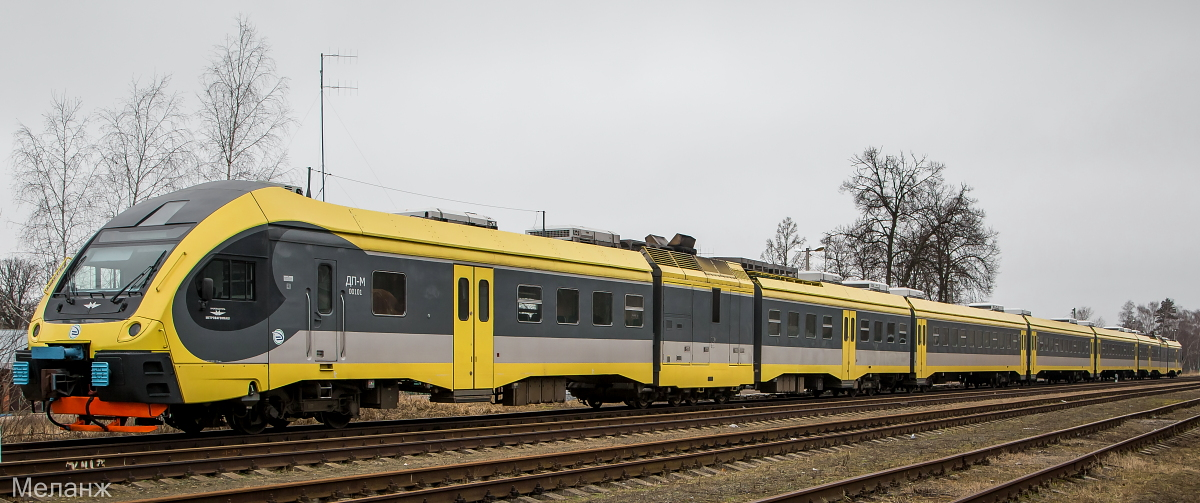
x=971 y=345
x=1116 y=354
x=823 y=336
x=1174 y=359
x=1063 y=352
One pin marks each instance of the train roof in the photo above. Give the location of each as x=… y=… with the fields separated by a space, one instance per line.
x=690 y=270
x=380 y=232
x=832 y=294
x=964 y=314
x=1109 y=333
x=1062 y=327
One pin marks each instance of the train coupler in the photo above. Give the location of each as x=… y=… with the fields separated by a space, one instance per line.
x=95 y=414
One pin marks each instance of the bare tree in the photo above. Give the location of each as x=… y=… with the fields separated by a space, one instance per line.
x=54 y=175
x=244 y=111
x=1086 y=313
x=21 y=282
x=951 y=253
x=888 y=190
x=146 y=148
x=784 y=248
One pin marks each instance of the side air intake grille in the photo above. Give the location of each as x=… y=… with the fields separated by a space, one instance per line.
x=20 y=373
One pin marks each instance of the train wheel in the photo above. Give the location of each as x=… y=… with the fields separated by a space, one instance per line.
x=642 y=402
x=721 y=398
x=675 y=400
x=335 y=420
x=689 y=400
x=593 y=403
x=186 y=421
x=251 y=422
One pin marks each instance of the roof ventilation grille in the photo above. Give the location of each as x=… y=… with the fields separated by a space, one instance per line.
x=864 y=284
x=987 y=305
x=907 y=292
x=1072 y=321
x=464 y=218
x=579 y=235
x=1018 y=311
x=752 y=265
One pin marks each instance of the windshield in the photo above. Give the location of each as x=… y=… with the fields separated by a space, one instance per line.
x=107 y=269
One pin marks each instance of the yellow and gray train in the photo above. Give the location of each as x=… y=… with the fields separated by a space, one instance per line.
x=250 y=303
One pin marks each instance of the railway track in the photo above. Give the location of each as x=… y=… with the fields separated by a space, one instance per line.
x=108 y=446
x=534 y=474
x=881 y=480
x=167 y=459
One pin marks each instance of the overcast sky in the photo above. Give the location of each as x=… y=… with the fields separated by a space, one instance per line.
x=1074 y=121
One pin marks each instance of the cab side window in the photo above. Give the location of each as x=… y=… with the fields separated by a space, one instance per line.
x=232 y=279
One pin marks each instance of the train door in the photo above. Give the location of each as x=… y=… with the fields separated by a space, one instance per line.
x=849 y=328
x=921 y=341
x=325 y=332
x=473 y=327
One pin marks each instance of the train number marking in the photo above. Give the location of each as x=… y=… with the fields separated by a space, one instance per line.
x=86 y=464
x=353 y=284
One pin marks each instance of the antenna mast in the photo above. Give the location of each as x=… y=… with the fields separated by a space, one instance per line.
x=323 y=88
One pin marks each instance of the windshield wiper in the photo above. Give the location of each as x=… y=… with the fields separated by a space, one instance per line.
x=70 y=292
x=117 y=296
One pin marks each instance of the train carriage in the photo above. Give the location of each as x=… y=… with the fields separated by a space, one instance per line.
x=1174 y=358
x=1063 y=351
x=971 y=345
x=1116 y=354
x=823 y=336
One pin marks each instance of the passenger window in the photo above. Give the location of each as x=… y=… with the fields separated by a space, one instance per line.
x=903 y=333
x=388 y=294
x=716 y=305
x=485 y=300
x=234 y=280
x=464 y=299
x=568 y=306
x=324 y=289
x=864 y=331
x=634 y=310
x=878 y=331
x=602 y=309
x=793 y=324
x=954 y=341
x=773 y=323
x=937 y=336
x=891 y=333
x=827 y=328
x=529 y=304
x=810 y=326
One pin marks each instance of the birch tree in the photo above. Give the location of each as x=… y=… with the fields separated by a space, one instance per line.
x=244 y=113
x=55 y=175
x=145 y=150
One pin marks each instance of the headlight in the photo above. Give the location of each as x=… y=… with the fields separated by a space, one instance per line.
x=37 y=328
x=135 y=329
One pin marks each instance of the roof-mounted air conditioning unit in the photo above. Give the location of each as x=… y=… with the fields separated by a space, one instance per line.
x=987 y=305
x=579 y=235
x=1018 y=311
x=464 y=218
x=874 y=286
x=1072 y=321
x=907 y=292
x=819 y=276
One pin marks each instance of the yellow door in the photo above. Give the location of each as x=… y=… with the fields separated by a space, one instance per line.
x=473 y=313
x=922 y=340
x=849 y=328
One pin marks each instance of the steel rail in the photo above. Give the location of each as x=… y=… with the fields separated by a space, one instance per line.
x=881 y=480
x=116 y=444
x=133 y=444
x=181 y=462
x=1015 y=488
x=496 y=478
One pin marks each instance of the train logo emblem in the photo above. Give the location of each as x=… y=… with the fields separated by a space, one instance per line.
x=92 y=305
x=217 y=311
x=277 y=336
x=75 y=329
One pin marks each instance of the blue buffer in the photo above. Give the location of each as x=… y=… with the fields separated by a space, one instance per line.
x=20 y=373
x=99 y=374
